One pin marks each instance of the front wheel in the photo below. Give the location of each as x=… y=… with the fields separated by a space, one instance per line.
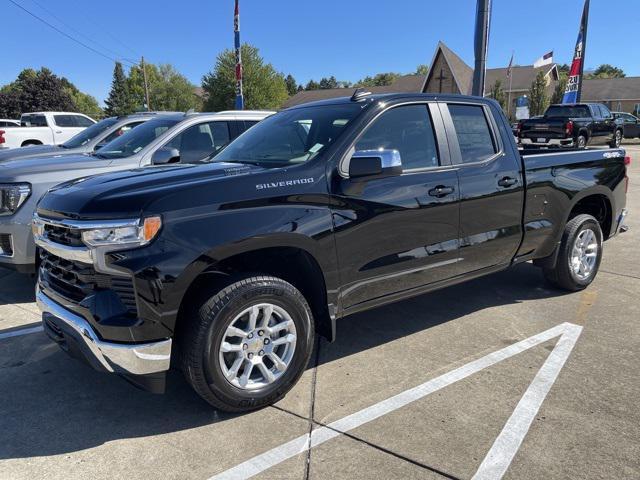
x=617 y=139
x=579 y=256
x=249 y=345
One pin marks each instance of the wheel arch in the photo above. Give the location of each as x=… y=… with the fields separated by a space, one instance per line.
x=295 y=260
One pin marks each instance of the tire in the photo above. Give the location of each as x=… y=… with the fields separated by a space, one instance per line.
x=563 y=274
x=617 y=139
x=582 y=141
x=208 y=368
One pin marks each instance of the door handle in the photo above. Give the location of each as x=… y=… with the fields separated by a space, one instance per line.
x=440 y=191
x=507 y=182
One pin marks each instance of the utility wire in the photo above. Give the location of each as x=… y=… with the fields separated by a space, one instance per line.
x=61 y=32
x=103 y=29
x=73 y=29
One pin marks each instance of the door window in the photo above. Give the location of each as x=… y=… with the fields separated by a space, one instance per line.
x=33 y=121
x=198 y=142
x=604 y=111
x=81 y=121
x=473 y=132
x=64 y=120
x=407 y=129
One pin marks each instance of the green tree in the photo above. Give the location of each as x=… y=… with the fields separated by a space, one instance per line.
x=312 y=85
x=119 y=101
x=34 y=91
x=538 y=99
x=292 y=86
x=564 y=68
x=607 y=71
x=497 y=93
x=84 y=103
x=263 y=86
x=327 y=83
x=422 y=69
x=558 y=91
x=378 y=80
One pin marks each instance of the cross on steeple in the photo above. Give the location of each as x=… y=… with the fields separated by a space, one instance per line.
x=441 y=77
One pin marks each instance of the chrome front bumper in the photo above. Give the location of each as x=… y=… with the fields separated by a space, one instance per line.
x=137 y=359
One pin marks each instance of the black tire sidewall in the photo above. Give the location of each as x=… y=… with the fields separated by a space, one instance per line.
x=584 y=222
x=281 y=294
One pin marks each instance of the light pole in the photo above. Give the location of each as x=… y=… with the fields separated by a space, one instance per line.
x=481 y=42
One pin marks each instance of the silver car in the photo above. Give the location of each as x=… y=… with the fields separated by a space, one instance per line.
x=170 y=138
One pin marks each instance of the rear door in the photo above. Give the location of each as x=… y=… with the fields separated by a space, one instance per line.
x=491 y=185
x=397 y=233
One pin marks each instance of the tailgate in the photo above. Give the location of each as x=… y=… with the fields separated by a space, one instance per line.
x=543 y=128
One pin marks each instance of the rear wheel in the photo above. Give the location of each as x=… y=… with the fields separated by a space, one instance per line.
x=582 y=141
x=249 y=345
x=617 y=139
x=579 y=256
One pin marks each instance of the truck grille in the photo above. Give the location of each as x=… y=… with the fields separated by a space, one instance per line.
x=65 y=236
x=75 y=281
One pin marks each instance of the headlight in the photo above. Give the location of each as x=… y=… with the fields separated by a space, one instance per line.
x=12 y=196
x=123 y=235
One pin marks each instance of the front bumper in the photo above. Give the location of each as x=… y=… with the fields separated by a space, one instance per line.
x=550 y=142
x=22 y=255
x=76 y=336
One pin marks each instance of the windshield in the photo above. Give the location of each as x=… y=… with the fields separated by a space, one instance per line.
x=568 y=111
x=89 y=133
x=290 y=137
x=136 y=139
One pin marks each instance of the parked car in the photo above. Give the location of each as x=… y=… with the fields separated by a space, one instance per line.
x=9 y=123
x=230 y=268
x=164 y=139
x=88 y=140
x=630 y=124
x=571 y=125
x=44 y=128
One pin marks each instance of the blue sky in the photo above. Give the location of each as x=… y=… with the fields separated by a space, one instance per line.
x=307 y=39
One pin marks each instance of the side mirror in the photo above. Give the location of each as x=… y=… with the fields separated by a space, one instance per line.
x=165 y=155
x=375 y=163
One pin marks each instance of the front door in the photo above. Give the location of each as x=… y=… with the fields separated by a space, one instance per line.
x=397 y=233
x=491 y=185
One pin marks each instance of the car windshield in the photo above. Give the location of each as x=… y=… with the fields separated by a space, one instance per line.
x=290 y=137
x=138 y=138
x=568 y=111
x=88 y=134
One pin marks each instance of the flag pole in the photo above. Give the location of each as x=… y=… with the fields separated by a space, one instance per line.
x=236 y=32
x=585 y=14
x=510 y=72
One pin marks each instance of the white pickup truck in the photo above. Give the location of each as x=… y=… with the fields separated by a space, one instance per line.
x=44 y=128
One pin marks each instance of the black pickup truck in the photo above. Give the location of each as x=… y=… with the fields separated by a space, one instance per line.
x=571 y=125
x=228 y=269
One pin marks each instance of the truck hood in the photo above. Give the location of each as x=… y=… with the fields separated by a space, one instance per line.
x=48 y=164
x=125 y=194
x=34 y=151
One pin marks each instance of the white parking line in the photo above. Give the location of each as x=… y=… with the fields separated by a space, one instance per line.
x=24 y=331
x=499 y=456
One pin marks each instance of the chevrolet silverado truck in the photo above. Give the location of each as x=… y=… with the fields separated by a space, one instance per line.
x=229 y=269
x=166 y=138
x=44 y=128
x=571 y=125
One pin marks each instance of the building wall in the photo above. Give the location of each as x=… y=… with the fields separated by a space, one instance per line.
x=448 y=83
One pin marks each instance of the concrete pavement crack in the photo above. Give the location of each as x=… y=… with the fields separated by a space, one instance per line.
x=620 y=274
x=312 y=406
x=367 y=443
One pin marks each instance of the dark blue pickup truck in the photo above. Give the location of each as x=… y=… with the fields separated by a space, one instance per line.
x=228 y=269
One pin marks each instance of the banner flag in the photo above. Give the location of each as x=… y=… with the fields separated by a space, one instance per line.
x=546 y=59
x=574 y=82
x=236 y=32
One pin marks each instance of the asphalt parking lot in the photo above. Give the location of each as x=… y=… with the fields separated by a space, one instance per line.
x=501 y=374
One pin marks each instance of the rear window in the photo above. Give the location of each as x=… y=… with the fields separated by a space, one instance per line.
x=473 y=132
x=568 y=111
x=33 y=121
